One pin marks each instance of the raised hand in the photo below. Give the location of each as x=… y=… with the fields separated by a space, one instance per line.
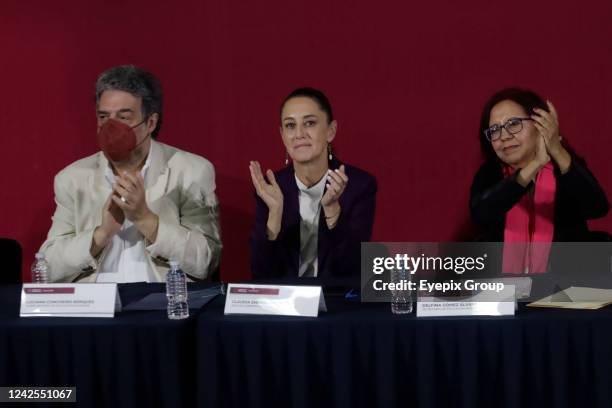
x=129 y=195
x=336 y=184
x=271 y=194
x=267 y=189
x=542 y=156
x=547 y=124
x=112 y=221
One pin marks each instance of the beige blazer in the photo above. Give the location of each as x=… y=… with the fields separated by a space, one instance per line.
x=180 y=189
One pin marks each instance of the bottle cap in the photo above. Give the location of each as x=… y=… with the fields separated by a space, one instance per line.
x=39 y=255
x=174 y=264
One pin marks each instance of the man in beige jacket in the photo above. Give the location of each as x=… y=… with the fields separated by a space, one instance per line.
x=123 y=213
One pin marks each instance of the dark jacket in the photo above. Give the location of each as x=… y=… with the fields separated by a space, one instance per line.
x=578 y=198
x=338 y=249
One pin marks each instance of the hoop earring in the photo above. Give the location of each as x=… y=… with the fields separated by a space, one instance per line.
x=329 y=152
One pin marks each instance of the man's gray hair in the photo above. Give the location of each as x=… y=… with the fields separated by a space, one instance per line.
x=138 y=82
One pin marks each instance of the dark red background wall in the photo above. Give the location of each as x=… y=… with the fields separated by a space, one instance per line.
x=407 y=81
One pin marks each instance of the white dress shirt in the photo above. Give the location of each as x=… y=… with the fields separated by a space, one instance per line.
x=126 y=260
x=310 y=209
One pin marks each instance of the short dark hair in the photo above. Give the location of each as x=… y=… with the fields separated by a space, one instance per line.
x=138 y=82
x=314 y=94
x=524 y=97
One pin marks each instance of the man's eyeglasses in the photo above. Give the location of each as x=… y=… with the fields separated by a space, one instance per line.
x=512 y=126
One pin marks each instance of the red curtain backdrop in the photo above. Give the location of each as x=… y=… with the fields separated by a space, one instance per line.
x=407 y=81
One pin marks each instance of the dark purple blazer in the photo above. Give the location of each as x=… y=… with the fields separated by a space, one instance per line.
x=339 y=249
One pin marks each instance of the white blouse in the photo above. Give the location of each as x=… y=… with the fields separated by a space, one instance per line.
x=310 y=208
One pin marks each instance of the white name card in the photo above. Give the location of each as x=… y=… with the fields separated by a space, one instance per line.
x=69 y=300
x=471 y=306
x=274 y=300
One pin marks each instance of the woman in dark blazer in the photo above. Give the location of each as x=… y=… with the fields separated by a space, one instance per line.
x=311 y=216
x=531 y=187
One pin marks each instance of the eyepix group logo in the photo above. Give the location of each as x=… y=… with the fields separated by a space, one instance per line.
x=412 y=264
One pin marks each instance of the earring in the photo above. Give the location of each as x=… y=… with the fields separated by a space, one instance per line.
x=286 y=159
x=329 y=151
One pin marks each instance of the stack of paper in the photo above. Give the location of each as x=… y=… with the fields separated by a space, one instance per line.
x=577 y=298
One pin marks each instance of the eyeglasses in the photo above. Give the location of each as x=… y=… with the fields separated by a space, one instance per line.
x=512 y=126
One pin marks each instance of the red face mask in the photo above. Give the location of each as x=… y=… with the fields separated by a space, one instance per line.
x=117 y=140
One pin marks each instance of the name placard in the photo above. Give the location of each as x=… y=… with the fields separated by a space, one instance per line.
x=69 y=300
x=470 y=306
x=274 y=300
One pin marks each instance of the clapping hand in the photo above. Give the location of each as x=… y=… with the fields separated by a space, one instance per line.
x=267 y=189
x=336 y=183
x=547 y=124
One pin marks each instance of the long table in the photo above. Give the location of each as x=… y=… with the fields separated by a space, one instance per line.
x=354 y=355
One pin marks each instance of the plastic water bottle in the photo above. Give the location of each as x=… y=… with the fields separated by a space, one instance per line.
x=176 y=292
x=401 y=299
x=40 y=269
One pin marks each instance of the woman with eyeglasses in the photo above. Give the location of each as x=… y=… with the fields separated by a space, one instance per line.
x=531 y=188
x=311 y=216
